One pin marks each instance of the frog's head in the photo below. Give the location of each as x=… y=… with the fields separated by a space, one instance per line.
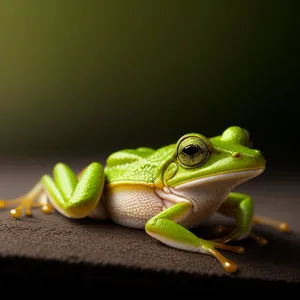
x=228 y=158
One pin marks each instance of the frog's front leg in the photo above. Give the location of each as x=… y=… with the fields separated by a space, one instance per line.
x=240 y=207
x=164 y=227
x=71 y=195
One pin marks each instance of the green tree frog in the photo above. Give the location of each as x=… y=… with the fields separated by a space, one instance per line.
x=167 y=191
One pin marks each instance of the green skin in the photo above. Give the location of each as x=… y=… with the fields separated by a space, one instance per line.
x=77 y=196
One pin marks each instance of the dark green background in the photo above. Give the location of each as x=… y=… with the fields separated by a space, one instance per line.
x=82 y=78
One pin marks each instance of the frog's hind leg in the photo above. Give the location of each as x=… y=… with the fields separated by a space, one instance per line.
x=75 y=196
x=71 y=195
x=23 y=204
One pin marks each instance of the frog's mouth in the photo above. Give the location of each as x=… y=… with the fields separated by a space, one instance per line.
x=239 y=177
x=207 y=193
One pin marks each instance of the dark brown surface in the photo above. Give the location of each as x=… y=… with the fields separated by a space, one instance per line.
x=51 y=247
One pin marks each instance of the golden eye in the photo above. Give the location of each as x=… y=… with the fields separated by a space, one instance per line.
x=193 y=150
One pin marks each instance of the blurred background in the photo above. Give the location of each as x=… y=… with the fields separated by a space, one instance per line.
x=85 y=78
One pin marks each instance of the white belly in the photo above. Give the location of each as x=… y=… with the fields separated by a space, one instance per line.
x=132 y=205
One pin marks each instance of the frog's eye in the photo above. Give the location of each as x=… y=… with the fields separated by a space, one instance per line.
x=193 y=151
x=238 y=136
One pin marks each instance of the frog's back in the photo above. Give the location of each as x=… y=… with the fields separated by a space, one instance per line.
x=135 y=166
x=128 y=156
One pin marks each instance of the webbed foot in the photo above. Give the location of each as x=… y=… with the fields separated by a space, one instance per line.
x=278 y=225
x=232 y=234
x=23 y=205
x=227 y=264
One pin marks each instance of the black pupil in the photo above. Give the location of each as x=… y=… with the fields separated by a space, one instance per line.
x=191 y=150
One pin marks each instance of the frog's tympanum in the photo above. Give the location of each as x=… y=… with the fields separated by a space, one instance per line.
x=166 y=191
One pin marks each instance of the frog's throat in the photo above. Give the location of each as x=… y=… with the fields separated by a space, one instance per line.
x=208 y=192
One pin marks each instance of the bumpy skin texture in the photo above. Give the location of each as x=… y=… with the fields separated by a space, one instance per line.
x=142 y=165
x=149 y=166
x=72 y=197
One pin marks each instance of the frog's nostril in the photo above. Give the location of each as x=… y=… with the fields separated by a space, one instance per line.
x=258 y=152
x=236 y=155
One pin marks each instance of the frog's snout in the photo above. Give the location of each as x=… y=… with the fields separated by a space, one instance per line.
x=260 y=157
x=257 y=154
x=256 y=157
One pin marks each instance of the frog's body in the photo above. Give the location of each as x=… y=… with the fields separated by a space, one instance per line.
x=165 y=191
x=137 y=187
